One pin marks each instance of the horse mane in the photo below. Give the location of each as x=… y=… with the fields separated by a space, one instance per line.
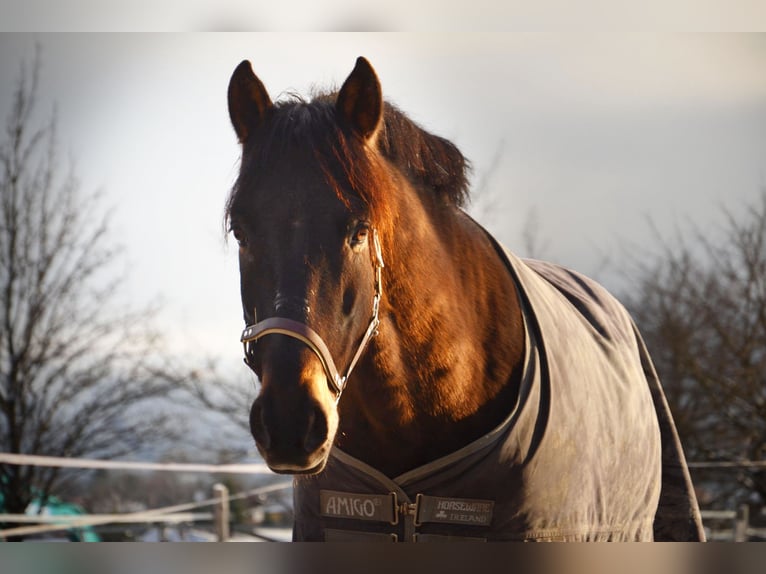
x=428 y=160
x=431 y=163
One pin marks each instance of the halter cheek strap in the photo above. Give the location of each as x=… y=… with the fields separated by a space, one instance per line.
x=310 y=338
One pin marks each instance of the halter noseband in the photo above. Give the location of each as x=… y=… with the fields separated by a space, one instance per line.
x=309 y=337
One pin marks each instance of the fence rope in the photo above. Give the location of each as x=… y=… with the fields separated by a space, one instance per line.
x=255 y=468
x=728 y=464
x=112 y=518
x=62 y=462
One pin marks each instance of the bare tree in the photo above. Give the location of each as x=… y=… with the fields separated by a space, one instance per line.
x=79 y=376
x=701 y=305
x=534 y=246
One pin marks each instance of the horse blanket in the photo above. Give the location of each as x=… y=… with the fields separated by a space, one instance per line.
x=589 y=452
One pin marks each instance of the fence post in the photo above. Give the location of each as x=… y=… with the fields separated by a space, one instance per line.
x=221 y=512
x=741 y=523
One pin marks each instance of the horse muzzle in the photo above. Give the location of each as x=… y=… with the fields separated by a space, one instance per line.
x=294 y=434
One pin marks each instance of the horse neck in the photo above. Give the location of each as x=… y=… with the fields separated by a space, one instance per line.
x=445 y=367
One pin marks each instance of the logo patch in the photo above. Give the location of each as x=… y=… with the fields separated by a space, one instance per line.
x=372 y=507
x=455 y=510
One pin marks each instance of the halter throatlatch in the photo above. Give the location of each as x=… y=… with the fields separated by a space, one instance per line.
x=310 y=338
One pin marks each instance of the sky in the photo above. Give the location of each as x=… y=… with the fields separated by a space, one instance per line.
x=588 y=136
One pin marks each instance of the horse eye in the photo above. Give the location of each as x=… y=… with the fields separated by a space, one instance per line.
x=359 y=235
x=239 y=235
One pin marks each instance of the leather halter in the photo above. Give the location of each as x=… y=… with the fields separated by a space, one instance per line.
x=309 y=337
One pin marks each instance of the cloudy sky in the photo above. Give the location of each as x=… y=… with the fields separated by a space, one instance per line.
x=593 y=134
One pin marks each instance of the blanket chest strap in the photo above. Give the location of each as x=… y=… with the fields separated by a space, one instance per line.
x=386 y=508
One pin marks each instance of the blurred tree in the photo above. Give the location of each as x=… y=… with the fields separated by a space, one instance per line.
x=78 y=376
x=701 y=306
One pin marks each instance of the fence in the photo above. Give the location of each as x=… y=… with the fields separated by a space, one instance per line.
x=736 y=525
x=179 y=513
x=739 y=529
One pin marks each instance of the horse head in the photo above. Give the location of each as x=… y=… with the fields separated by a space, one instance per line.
x=305 y=216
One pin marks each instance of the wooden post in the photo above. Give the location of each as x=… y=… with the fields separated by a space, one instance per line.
x=741 y=523
x=221 y=512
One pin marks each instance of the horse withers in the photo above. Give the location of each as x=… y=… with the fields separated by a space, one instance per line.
x=420 y=381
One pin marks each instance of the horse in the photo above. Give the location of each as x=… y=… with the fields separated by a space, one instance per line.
x=420 y=381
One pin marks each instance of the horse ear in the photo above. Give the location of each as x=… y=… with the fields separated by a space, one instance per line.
x=360 y=100
x=248 y=101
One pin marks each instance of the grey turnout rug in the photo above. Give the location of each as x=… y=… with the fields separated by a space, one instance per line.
x=589 y=452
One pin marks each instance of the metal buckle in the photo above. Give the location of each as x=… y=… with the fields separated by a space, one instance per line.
x=410 y=509
x=416 y=512
x=395 y=509
x=378 y=251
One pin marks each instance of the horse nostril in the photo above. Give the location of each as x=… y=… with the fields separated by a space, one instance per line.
x=316 y=433
x=257 y=426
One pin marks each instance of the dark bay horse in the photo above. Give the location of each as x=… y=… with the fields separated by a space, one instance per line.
x=421 y=382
